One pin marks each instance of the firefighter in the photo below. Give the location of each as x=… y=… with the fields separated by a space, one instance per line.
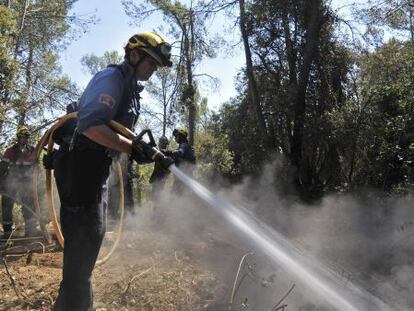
x=184 y=157
x=81 y=167
x=15 y=172
x=158 y=180
x=114 y=184
x=159 y=174
x=184 y=152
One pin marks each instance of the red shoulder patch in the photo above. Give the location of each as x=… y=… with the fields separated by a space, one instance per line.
x=107 y=100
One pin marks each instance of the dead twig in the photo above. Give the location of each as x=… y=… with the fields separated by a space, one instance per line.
x=133 y=279
x=18 y=293
x=277 y=306
x=281 y=308
x=233 y=292
x=10 y=236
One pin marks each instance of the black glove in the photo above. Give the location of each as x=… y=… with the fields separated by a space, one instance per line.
x=166 y=162
x=145 y=153
x=176 y=156
x=170 y=154
x=47 y=160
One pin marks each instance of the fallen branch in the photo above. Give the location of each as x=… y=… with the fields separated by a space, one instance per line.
x=277 y=306
x=133 y=279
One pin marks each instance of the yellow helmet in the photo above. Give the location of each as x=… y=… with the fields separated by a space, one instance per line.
x=180 y=131
x=152 y=44
x=22 y=131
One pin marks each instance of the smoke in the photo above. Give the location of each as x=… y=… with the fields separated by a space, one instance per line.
x=365 y=241
x=17 y=185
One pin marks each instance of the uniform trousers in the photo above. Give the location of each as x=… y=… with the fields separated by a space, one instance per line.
x=81 y=177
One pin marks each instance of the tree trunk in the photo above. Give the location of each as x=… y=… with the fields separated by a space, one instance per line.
x=27 y=88
x=252 y=84
x=21 y=27
x=291 y=53
x=312 y=38
x=164 y=104
x=291 y=56
x=189 y=51
x=411 y=24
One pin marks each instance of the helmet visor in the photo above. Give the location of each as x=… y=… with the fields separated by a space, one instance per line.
x=165 y=50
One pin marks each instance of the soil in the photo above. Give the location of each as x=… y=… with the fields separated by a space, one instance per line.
x=192 y=265
x=148 y=271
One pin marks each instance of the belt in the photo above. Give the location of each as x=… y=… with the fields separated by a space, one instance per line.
x=83 y=142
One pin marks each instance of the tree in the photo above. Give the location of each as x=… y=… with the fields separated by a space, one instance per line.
x=187 y=25
x=238 y=129
x=8 y=65
x=93 y=63
x=164 y=92
x=253 y=90
x=396 y=15
x=300 y=70
x=37 y=90
x=384 y=119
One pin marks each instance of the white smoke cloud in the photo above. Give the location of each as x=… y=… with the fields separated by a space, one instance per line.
x=365 y=241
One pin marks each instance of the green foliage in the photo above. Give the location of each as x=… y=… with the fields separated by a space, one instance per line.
x=388 y=15
x=235 y=126
x=385 y=158
x=188 y=25
x=357 y=105
x=8 y=29
x=93 y=63
x=142 y=187
x=213 y=156
x=293 y=96
x=34 y=90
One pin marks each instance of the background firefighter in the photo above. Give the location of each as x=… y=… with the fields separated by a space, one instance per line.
x=82 y=167
x=183 y=156
x=15 y=180
x=158 y=181
x=114 y=186
x=159 y=174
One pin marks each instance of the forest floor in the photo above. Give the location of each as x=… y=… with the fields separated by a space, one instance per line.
x=190 y=263
x=147 y=272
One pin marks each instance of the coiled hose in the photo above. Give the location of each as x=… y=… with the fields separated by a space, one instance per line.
x=47 y=140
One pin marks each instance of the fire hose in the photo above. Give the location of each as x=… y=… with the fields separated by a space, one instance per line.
x=47 y=140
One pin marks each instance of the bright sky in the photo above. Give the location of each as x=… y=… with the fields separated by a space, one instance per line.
x=113 y=31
